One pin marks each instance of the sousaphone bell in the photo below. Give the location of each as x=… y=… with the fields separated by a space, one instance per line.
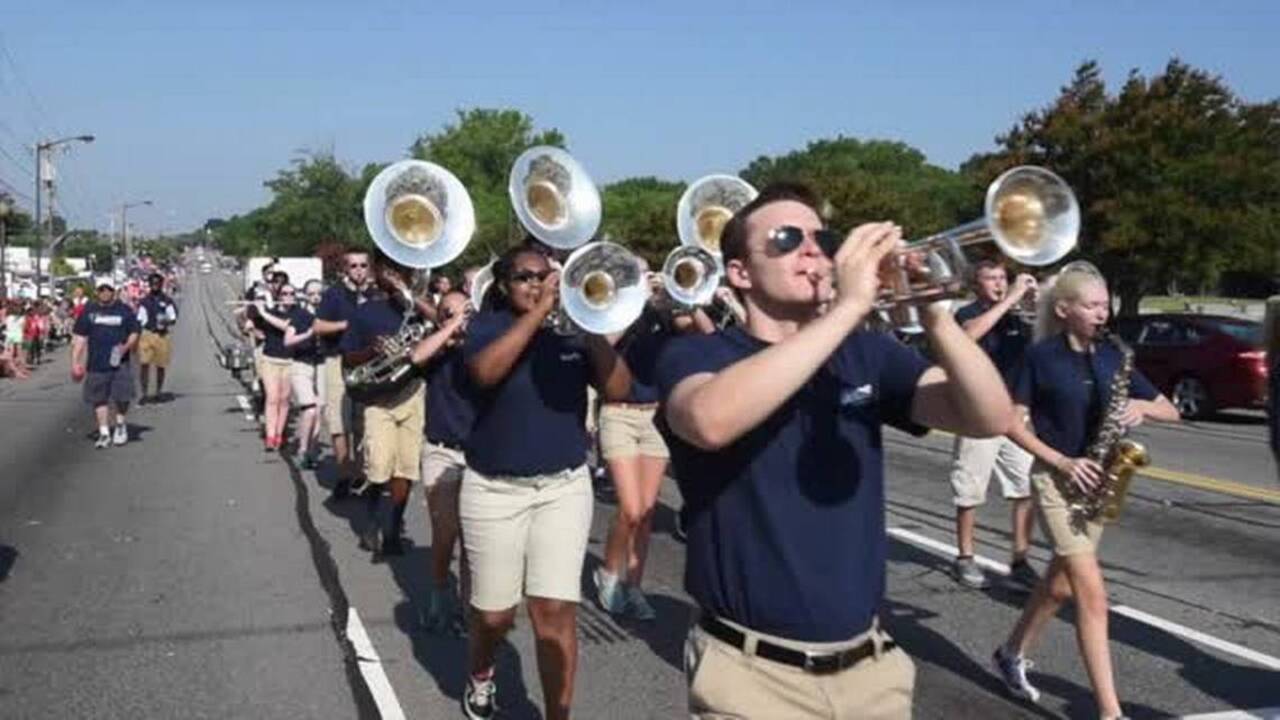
x=553 y=197
x=706 y=206
x=691 y=275
x=602 y=289
x=419 y=214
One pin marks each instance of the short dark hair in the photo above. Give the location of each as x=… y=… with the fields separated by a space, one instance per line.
x=155 y=277
x=989 y=263
x=733 y=239
x=280 y=276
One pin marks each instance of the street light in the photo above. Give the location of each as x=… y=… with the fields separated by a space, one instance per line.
x=124 y=231
x=41 y=149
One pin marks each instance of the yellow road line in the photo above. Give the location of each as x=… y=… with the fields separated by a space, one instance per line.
x=1200 y=482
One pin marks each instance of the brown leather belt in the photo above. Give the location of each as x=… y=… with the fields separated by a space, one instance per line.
x=810 y=662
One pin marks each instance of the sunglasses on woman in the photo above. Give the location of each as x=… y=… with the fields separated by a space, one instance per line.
x=525 y=276
x=784 y=240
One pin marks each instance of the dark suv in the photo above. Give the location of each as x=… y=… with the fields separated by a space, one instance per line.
x=1203 y=363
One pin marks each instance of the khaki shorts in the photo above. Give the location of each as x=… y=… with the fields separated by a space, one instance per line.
x=975 y=459
x=441 y=465
x=628 y=431
x=275 y=370
x=337 y=406
x=153 y=349
x=1068 y=536
x=308 y=390
x=726 y=682
x=393 y=437
x=525 y=535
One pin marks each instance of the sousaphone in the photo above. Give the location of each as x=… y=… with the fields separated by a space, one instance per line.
x=553 y=197
x=705 y=208
x=419 y=214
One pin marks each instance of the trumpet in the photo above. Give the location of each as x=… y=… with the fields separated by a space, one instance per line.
x=1031 y=215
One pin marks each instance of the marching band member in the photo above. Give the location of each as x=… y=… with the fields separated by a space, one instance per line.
x=276 y=363
x=1064 y=385
x=156 y=313
x=450 y=414
x=636 y=454
x=993 y=322
x=305 y=379
x=774 y=428
x=526 y=499
x=394 y=418
x=333 y=316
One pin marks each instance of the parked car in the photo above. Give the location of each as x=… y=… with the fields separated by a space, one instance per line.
x=1203 y=363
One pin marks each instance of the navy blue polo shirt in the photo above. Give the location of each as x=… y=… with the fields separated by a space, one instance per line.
x=158 y=307
x=450 y=412
x=106 y=326
x=786 y=528
x=640 y=347
x=337 y=304
x=1067 y=391
x=273 y=337
x=373 y=316
x=533 y=422
x=307 y=351
x=1005 y=342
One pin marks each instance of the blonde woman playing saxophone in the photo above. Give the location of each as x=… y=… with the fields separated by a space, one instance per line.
x=1063 y=386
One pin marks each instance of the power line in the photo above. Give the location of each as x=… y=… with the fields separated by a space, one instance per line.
x=31 y=96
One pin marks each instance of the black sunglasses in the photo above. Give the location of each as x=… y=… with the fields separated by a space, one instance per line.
x=358 y=265
x=525 y=276
x=785 y=239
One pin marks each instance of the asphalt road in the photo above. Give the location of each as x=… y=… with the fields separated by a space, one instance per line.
x=191 y=574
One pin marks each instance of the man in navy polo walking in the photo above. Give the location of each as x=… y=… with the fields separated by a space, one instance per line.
x=106 y=332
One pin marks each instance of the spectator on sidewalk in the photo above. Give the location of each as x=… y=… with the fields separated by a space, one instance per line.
x=104 y=336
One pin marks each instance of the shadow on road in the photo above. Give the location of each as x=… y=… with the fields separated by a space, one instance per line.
x=8 y=557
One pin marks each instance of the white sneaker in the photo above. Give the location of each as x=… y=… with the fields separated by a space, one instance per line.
x=1013 y=670
x=121 y=435
x=103 y=441
x=609 y=591
x=478 y=699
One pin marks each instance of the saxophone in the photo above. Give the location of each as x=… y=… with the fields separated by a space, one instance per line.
x=1119 y=456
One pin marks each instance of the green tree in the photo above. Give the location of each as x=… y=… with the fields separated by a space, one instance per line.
x=89 y=244
x=313 y=202
x=1178 y=178
x=640 y=213
x=868 y=180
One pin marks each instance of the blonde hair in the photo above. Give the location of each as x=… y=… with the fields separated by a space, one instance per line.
x=1065 y=286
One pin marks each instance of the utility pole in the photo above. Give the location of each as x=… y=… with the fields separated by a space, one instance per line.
x=124 y=231
x=42 y=151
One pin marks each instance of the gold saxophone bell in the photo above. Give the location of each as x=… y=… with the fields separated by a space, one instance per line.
x=414 y=220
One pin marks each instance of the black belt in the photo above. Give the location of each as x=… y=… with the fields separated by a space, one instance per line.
x=815 y=663
x=446 y=445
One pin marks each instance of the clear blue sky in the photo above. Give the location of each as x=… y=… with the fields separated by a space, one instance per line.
x=196 y=103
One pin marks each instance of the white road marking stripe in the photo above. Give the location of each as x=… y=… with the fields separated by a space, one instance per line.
x=1271 y=713
x=950 y=551
x=371 y=669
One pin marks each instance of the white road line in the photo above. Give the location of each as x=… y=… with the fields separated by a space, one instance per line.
x=949 y=551
x=1271 y=713
x=371 y=669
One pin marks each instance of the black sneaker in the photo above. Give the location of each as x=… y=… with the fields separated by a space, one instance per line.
x=479 y=699
x=1022 y=575
x=341 y=490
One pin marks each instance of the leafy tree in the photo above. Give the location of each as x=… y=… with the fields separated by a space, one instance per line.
x=640 y=213
x=867 y=180
x=1178 y=179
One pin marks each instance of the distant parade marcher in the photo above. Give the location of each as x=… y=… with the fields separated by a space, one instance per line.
x=304 y=374
x=333 y=316
x=775 y=431
x=276 y=364
x=103 y=337
x=1064 y=387
x=157 y=313
x=994 y=323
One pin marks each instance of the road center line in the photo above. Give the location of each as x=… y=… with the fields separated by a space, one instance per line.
x=949 y=551
x=371 y=668
x=1271 y=713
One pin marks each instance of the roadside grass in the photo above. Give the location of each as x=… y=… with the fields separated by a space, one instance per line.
x=1170 y=303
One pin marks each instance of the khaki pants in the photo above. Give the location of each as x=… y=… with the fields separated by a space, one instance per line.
x=337 y=406
x=1068 y=536
x=726 y=682
x=153 y=349
x=629 y=431
x=975 y=460
x=393 y=437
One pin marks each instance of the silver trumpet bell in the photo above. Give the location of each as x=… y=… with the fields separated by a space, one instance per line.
x=554 y=197
x=602 y=289
x=691 y=275
x=705 y=207
x=419 y=214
